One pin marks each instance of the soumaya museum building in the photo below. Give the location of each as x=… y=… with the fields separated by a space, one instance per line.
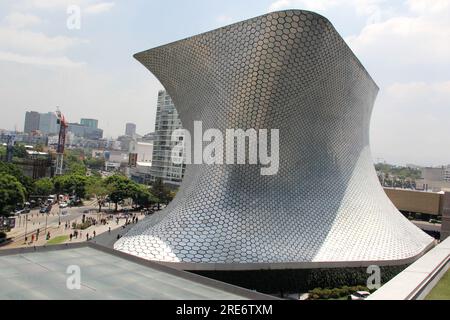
x=324 y=209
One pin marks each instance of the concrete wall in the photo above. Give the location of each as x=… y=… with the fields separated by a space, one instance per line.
x=415 y=201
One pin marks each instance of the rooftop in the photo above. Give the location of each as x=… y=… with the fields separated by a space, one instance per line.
x=105 y=274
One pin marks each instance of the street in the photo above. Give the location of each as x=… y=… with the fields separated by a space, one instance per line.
x=49 y=223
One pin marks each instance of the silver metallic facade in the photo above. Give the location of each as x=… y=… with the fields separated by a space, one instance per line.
x=292 y=71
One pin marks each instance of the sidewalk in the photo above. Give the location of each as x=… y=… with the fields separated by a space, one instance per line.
x=56 y=231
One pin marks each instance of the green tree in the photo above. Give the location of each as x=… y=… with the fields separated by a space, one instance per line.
x=12 y=193
x=95 y=163
x=120 y=187
x=71 y=184
x=161 y=193
x=12 y=169
x=99 y=189
x=143 y=197
x=43 y=187
x=19 y=151
x=77 y=168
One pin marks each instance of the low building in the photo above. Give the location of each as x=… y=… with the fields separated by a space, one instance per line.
x=140 y=169
x=434 y=178
x=434 y=205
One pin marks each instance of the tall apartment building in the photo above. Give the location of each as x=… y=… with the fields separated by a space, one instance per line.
x=48 y=123
x=167 y=121
x=130 y=129
x=31 y=121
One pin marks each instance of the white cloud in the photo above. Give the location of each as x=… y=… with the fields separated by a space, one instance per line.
x=19 y=42
x=406 y=43
x=99 y=7
x=427 y=6
x=371 y=9
x=224 y=19
x=50 y=4
x=410 y=123
x=88 y=6
x=408 y=56
x=22 y=20
x=39 y=60
x=35 y=42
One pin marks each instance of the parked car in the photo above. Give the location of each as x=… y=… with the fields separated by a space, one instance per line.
x=44 y=210
x=359 y=295
x=18 y=212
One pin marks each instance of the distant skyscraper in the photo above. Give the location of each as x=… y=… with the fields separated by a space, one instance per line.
x=48 y=123
x=91 y=123
x=130 y=129
x=167 y=121
x=31 y=121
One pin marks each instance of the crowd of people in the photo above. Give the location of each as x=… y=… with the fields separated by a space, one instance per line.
x=77 y=233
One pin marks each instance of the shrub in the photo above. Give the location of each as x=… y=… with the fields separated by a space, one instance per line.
x=335 y=293
x=83 y=225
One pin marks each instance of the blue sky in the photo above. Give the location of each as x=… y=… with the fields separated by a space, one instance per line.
x=90 y=72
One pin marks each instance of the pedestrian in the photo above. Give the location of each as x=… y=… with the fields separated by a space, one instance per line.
x=48 y=235
x=109 y=230
x=70 y=236
x=87 y=236
x=32 y=238
x=94 y=233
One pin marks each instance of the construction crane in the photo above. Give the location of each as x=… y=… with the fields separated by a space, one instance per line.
x=61 y=142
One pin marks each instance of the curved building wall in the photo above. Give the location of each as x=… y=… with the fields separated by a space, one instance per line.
x=290 y=71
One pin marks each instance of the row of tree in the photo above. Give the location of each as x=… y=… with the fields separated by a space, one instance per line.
x=15 y=188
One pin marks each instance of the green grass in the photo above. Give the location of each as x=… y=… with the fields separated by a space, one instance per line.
x=58 y=239
x=442 y=289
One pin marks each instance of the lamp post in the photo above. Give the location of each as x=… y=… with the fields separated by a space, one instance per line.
x=46 y=216
x=26 y=226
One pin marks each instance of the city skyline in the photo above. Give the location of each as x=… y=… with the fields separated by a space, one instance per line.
x=90 y=72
